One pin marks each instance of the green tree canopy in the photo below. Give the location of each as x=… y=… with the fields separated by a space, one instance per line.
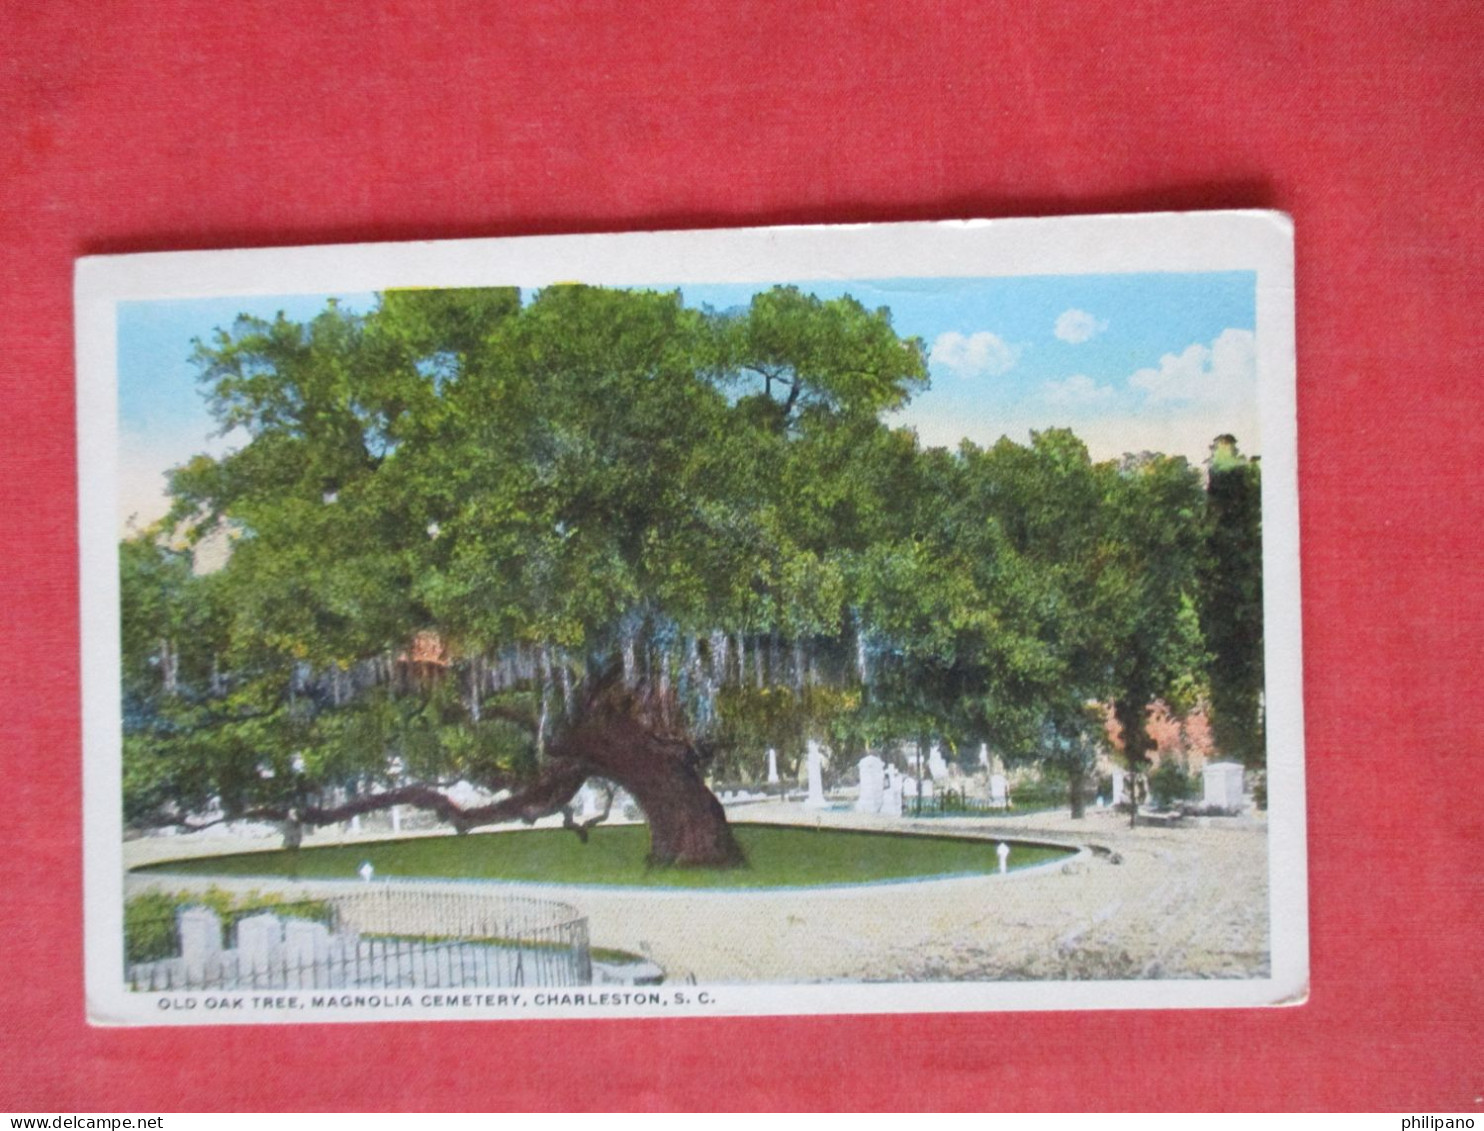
x=525 y=542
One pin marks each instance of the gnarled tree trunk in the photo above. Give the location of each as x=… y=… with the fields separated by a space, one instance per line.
x=632 y=735
x=626 y=735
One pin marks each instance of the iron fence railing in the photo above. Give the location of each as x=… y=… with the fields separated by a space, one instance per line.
x=385 y=936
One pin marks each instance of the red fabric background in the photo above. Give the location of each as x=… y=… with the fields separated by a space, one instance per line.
x=167 y=125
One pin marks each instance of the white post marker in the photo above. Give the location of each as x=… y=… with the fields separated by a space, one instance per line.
x=1003 y=851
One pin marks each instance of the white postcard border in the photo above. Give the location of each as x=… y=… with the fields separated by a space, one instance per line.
x=1261 y=242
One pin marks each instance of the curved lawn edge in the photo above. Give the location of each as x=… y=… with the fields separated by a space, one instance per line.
x=1066 y=854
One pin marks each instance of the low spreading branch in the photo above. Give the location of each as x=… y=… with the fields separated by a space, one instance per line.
x=548 y=794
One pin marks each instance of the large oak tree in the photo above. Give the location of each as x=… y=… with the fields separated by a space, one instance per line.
x=595 y=534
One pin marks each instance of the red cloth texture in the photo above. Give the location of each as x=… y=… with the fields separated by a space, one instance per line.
x=162 y=125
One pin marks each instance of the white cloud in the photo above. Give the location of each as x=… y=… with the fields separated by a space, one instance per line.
x=1225 y=371
x=1078 y=390
x=1077 y=326
x=975 y=355
x=1177 y=407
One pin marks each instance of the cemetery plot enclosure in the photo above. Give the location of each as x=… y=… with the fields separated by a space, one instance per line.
x=385 y=937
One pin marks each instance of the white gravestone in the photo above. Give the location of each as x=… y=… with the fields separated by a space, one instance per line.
x=396 y=818
x=999 y=795
x=772 y=766
x=891 y=795
x=465 y=794
x=305 y=942
x=200 y=939
x=589 y=795
x=1117 y=787
x=873 y=785
x=258 y=940
x=984 y=754
x=936 y=766
x=1222 y=782
x=815 y=800
x=1003 y=852
x=366 y=870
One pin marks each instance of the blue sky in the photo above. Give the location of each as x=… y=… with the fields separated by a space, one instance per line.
x=1161 y=362
x=162 y=416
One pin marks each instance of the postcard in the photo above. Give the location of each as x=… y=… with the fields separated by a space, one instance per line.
x=859 y=619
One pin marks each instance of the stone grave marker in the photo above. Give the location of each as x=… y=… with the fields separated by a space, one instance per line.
x=589 y=795
x=305 y=943
x=891 y=794
x=259 y=938
x=873 y=784
x=936 y=766
x=200 y=939
x=1222 y=784
x=816 y=799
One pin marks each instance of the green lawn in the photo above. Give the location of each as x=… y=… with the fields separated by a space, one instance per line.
x=778 y=857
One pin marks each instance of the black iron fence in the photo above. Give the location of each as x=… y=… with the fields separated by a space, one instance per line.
x=951 y=803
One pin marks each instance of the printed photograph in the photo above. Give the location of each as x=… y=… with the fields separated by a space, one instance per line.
x=621 y=647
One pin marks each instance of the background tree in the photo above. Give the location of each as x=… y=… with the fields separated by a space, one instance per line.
x=1155 y=508
x=1050 y=504
x=800 y=353
x=1231 y=601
